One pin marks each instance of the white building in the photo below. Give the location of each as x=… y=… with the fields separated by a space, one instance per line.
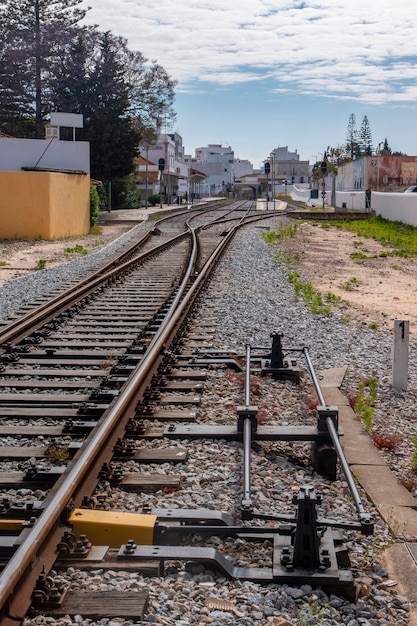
x=220 y=166
x=287 y=166
x=167 y=156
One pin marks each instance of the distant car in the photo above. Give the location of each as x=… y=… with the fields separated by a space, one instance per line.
x=411 y=189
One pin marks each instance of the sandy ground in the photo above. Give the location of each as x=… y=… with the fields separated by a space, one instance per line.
x=378 y=290
x=21 y=257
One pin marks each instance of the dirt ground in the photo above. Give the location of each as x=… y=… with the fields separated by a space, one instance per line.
x=22 y=257
x=378 y=290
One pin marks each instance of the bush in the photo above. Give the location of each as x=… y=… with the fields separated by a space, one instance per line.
x=154 y=199
x=124 y=193
x=94 y=205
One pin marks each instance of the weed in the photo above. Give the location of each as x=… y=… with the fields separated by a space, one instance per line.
x=317 y=305
x=395 y=267
x=359 y=255
x=332 y=297
x=289 y=231
x=350 y=284
x=409 y=482
x=96 y=230
x=79 y=249
x=413 y=459
x=40 y=265
x=365 y=401
x=57 y=454
x=154 y=217
x=312 y=404
x=386 y=440
x=3 y=263
x=269 y=237
x=373 y=326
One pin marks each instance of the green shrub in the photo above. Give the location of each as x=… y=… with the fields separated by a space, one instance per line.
x=153 y=199
x=94 y=205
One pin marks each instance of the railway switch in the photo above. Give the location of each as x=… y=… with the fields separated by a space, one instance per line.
x=113 y=528
x=279 y=365
x=305 y=548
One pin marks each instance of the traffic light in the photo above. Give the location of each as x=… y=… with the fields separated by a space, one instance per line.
x=267 y=167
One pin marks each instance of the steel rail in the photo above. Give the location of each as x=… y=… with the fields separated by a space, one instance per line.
x=247 y=437
x=28 y=553
x=39 y=316
x=335 y=440
x=44 y=313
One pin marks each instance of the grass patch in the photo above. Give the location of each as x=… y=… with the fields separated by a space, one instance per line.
x=271 y=236
x=78 y=249
x=360 y=255
x=40 y=265
x=401 y=237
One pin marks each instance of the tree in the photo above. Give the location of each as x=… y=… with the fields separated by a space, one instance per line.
x=118 y=95
x=49 y=63
x=365 y=138
x=352 y=144
x=35 y=32
x=386 y=150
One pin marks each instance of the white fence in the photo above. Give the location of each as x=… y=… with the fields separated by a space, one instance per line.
x=400 y=207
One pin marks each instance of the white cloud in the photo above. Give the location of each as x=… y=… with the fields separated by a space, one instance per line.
x=327 y=47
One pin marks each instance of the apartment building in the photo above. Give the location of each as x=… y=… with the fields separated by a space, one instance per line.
x=287 y=166
x=220 y=166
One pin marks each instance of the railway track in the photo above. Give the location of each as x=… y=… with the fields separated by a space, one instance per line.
x=107 y=395
x=67 y=360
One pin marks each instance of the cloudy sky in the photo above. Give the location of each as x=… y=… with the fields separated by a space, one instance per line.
x=258 y=74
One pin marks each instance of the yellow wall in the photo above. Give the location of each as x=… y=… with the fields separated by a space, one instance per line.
x=44 y=205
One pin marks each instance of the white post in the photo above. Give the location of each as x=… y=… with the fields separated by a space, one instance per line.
x=400 y=355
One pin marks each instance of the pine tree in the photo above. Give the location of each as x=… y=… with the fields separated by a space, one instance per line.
x=352 y=145
x=35 y=34
x=365 y=138
x=386 y=150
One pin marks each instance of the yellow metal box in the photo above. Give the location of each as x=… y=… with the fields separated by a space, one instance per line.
x=113 y=528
